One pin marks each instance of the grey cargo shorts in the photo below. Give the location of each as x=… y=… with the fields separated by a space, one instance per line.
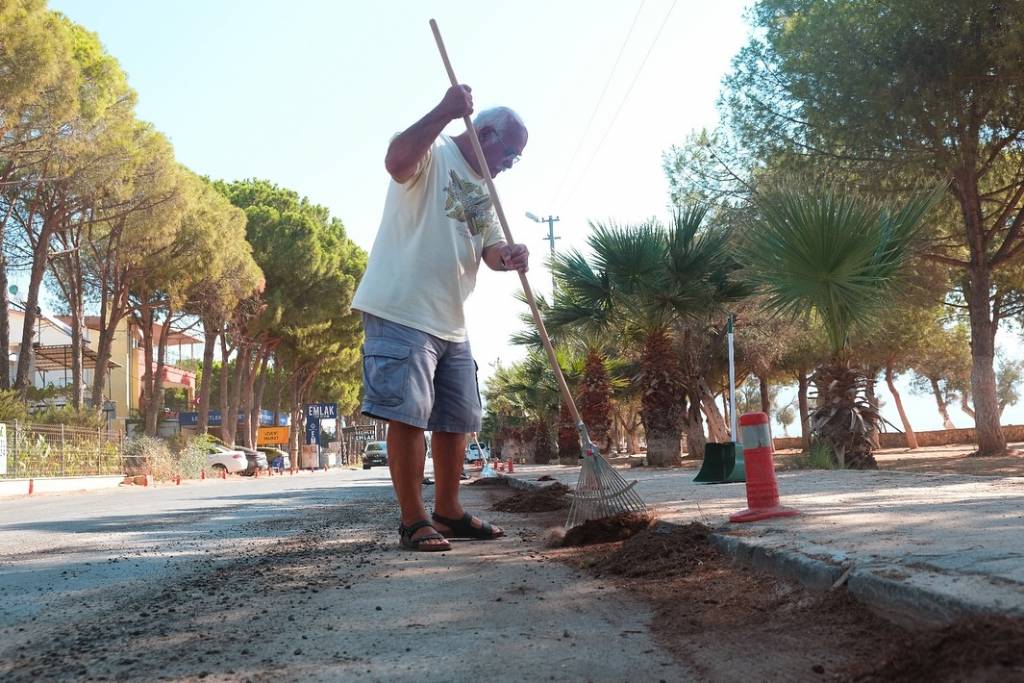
x=417 y=379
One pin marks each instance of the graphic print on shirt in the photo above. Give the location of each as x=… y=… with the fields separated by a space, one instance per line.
x=468 y=203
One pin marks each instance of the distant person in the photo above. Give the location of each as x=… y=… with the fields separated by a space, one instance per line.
x=418 y=370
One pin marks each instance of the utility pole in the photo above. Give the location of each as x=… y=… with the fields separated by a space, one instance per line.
x=550 y=220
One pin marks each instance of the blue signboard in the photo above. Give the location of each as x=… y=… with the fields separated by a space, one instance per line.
x=312 y=432
x=214 y=419
x=322 y=411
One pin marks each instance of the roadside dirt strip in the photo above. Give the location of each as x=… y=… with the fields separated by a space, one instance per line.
x=328 y=596
x=336 y=600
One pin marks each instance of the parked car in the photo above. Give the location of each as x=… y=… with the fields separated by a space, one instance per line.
x=277 y=458
x=255 y=459
x=221 y=458
x=375 y=453
x=476 y=452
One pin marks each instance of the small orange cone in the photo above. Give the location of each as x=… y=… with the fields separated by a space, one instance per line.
x=762 y=487
x=202 y=474
x=31 y=486
x=511 y=466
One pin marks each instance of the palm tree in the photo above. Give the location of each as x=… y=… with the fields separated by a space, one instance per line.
x=837 y=258
x=644 y=282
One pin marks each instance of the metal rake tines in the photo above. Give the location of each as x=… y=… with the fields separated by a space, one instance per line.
x=601 y=492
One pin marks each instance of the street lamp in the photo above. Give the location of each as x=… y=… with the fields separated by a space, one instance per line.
x=550 y=220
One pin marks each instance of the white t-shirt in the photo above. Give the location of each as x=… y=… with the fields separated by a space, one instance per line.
x=424 y=260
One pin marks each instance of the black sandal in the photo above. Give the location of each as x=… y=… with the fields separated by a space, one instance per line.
x=463 y=528
x=408 y=542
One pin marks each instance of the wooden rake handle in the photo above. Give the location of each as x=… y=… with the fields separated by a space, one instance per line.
x=485 y=171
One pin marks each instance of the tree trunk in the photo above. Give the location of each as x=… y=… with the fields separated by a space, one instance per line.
x=145 y=322
x=595 y=400
x=245 y=400
x=229 y=420
x=940 y=402
x=907 y=428
x=109 y=320
x=211 y=332
x=5 y=321
x=695 y=438
x=966 y=406
x=568 y=437
x=224 y=354
x=663 y=399
x=40 y=255
x=766 y=400
x=805 y=413
x=541 y=442
x=991 y=440
x=157 y=406
x=257 y=396
x=869 y=391
x=77 y=333
x=717 y=428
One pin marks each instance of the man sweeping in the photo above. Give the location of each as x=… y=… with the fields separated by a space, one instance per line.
x=418 y=370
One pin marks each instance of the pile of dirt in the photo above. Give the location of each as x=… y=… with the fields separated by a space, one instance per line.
x=989 y=649
x=545 y=499
x=489 y=481
x=663 y=550
x=607 y=529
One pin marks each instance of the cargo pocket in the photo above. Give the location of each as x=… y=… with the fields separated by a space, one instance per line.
x=385 y=372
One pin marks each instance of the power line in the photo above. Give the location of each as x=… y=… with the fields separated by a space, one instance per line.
x=600 y=100
x=622 y=103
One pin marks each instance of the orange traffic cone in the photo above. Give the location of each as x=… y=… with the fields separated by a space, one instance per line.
x=762 y=488
x=511 y=466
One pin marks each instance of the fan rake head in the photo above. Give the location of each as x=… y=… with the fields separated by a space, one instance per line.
x=601 y=491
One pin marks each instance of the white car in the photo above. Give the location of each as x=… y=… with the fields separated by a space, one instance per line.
x=226 y=459
x=475 y=452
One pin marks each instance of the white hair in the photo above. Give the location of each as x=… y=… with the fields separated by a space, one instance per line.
x=501 y=119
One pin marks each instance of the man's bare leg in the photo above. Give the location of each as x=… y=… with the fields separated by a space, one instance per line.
x=449 y=450
x=406 y=456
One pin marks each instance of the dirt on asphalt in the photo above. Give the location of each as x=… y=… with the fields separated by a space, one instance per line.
x=732 y=623
x=219 y=621
x=545 y=499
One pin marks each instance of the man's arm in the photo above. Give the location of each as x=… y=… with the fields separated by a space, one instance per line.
x=408 y=148
x=501 y=256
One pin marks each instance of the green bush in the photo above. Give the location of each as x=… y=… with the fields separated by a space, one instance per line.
x=67 y=415
x=12 y=407
x=818 y=457
x=180 y=456
x=146 y=455
x=191 y=455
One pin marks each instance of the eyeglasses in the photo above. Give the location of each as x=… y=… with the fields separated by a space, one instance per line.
x=511 y=156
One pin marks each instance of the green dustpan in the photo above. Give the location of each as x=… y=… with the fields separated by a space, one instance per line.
x=723 y=464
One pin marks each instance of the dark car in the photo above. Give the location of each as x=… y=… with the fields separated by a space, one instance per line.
x=375 y=453
x=278 y=459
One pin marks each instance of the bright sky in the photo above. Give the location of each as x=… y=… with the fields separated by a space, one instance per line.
x=307 y=93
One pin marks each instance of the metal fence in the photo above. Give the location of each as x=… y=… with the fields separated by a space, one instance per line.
x=58 y=451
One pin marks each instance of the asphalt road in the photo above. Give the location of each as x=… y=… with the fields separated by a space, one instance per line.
x=295 y=578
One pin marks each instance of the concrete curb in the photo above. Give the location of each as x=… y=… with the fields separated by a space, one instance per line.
x=899 y=599
x=10 y=488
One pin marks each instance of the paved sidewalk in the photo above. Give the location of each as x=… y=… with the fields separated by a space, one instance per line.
x=921 y=548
